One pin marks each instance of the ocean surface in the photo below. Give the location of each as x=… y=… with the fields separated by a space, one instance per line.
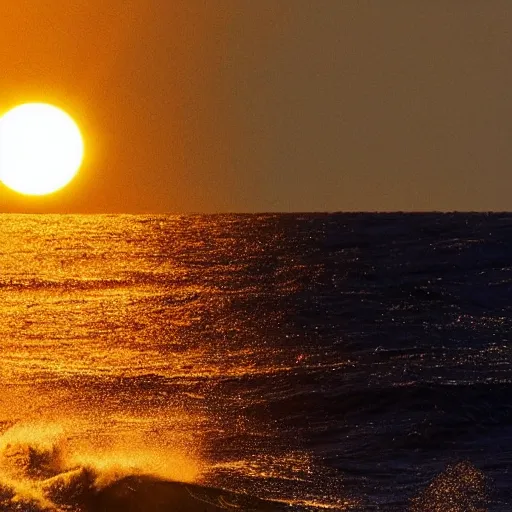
x=346 y=362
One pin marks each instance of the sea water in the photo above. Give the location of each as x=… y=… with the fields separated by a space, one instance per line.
x=357 y=362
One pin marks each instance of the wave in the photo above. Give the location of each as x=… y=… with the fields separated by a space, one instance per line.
x=460 y=488
x=38 y=473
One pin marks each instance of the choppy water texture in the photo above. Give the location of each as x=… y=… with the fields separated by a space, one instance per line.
x=357 y=362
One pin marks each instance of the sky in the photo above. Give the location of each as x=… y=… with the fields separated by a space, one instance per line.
x=274 y=105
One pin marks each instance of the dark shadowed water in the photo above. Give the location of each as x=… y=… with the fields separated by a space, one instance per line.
x=263 y=362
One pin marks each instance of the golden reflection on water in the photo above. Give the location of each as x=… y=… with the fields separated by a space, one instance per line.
x=116 y=330
x=88 y=300
x=79 y=302
x=85 y=296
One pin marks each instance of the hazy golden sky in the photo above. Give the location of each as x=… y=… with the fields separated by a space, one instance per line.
x=270 y=105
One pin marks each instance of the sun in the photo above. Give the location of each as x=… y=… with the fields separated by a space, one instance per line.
x=41 y=149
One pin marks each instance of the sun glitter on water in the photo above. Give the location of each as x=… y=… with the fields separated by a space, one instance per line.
x=41 y=149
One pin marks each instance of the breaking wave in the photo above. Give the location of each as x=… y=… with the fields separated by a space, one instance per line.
x=39 y=472
x=460 y=488
x=42 y=471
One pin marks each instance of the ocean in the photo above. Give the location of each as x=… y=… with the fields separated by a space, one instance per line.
x=288 y=362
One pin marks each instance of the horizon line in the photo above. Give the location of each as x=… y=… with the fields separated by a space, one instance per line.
x=255 y=213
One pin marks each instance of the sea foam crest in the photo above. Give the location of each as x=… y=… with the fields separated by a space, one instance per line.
x=39 y=472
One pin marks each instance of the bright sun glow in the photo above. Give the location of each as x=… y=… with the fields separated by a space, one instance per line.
x=41 y=149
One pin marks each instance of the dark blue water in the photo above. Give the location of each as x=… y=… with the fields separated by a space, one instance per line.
x=420 y=305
